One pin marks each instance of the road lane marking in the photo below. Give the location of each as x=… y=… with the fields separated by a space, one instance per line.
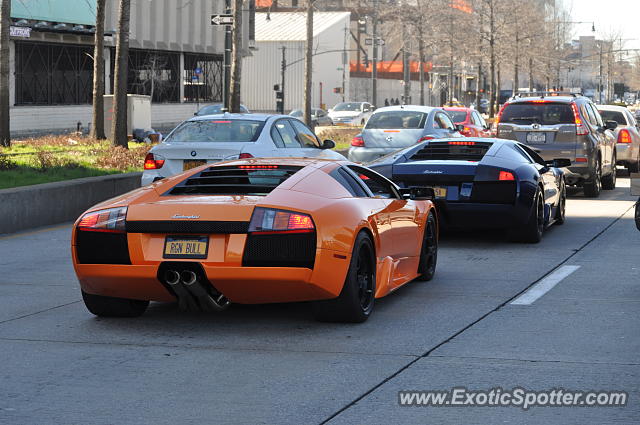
x=34 y=232
x=544 y=286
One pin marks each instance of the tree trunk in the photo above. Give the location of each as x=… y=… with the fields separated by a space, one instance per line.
x=5 y=22
x=119 y=125
x=236 y=58
x=97 y=130
x=308 y=65
x=492 y=63
x=531 y=74
x=478 y=85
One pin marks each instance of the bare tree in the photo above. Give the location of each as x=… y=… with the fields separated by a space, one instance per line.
x=119 y=125
x=97 y=131
x=308 y=65
x=236 y=58
x=5 y=22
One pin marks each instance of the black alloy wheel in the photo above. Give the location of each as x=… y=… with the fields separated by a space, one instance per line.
x=531 y=231
x=429 y=252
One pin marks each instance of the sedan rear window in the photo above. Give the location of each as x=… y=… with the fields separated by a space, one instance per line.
x=397 y=120
x=614 y=116
x=457 y=116
x=538 y=113
x=217 y=131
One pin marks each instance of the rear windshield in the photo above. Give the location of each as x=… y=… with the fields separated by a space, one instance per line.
x=217 y=131
x=613 y=116
x=457 y=116
x=348 y=106
x=397 y=120
x=537 y=113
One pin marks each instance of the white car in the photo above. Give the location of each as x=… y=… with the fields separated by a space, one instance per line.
x=215 y=138
x=351 y=113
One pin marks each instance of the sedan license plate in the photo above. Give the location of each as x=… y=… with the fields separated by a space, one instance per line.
x=195 y=247
x=440 y=192
x=537 y=137
x=188 y=164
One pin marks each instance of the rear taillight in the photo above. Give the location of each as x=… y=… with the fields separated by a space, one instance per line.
x=111 y=221
x=357 y=141
x=153 y=161
x=582 y=159
x=245 y=155
x=624 y=136
x=425 y=139
x=270 y=221
x=506 y=176
x=497 y=120
x=581 y=128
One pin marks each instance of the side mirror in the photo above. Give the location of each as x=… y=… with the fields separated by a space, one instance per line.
x=418 y=193
x=195 y=114
x=610 y=125
x=559 y=163
x=328 y=144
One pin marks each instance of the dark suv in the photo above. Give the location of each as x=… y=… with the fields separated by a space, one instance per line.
x=564 y=126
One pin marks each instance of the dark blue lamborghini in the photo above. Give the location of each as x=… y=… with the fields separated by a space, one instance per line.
x=484 y=183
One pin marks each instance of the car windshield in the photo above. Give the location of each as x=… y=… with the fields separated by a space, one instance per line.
x=210 y=110
x=348 y=106
x=217 y=131
x=457 y=116
x=538 y=113
x=397 y=120
x=613 y=116
x=296 y=113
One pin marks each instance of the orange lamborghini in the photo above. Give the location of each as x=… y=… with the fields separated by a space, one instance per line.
x=257 y=231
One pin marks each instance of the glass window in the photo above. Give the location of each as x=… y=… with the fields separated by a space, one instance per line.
x=443 y=121
x=523 y=154
x=397 y=120
x=349 y=182
x=599 y=121
x=588 y=115
x=288 y=134
x=548 y=113
x=205 y=86
x=306 y=136
x=378 y=185
x=613 y=116
x=533 y=154
x=479 y=120
x=275 y=136
x=348 y=106
x=217 y=131
x=457 y=116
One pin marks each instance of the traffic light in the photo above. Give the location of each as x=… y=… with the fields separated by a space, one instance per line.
x=276 y=87
x=365 y=61
x=362 y=25
x=279 y=95
x=337 y=90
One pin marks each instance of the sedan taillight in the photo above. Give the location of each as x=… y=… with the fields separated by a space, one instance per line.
x=153 y=161
x=357 y=141
x=624 y=136
x=270 y=221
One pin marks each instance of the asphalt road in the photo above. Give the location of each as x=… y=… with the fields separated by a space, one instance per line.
x=275 y=364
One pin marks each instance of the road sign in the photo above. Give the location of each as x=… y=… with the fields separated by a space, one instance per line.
x=222 y=19
x=369 y=42
x=194 y=78
x=198 y=71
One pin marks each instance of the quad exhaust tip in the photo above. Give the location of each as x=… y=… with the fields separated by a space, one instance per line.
x=191 y=292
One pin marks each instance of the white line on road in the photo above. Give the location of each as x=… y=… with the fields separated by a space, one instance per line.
x=544 y=286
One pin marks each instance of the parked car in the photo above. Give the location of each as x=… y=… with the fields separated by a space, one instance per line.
x=471 y=120
x=351 y=113
x=318 y=116
x=564 y=126
x=396 y=127
x=257 y=231
x=626 y=134
x=484 y=183
x=221 y=137
x=216 y=108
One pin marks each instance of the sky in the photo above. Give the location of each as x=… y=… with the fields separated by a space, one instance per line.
x=609 y=16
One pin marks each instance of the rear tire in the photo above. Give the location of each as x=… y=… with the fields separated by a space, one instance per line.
x=609 y=181
x=637 y=214
x=531 y=232
x=562 y=205
x=592 y=189
x=429 y=251
x=114 y=307
x=356 y=300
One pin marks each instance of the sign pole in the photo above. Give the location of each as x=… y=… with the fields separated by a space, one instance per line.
x=227 y=58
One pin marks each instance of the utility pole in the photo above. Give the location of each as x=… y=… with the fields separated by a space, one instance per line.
x=283 y=69
x=345 y=63
x=227 y=58
x=406 y=71
x=600 y=75
x=531 y=74
x=374 y=71
x=5 y=22
x=236 y=59
x=308 y=65
x=421 y=53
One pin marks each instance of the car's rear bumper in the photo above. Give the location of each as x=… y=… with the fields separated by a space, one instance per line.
x=364 y=154
x=246 y=285
x=481 y=215
x=625 y=153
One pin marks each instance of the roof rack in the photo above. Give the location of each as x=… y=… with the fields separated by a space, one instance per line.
x=536 y=93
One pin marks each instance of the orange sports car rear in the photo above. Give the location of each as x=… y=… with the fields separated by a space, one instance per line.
x=255 y=231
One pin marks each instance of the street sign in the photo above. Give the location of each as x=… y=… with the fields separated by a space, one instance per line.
x=369 y=42
x=194 y=78
x=222 y=19
x=198 y=71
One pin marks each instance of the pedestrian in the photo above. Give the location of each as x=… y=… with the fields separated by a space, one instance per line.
x=386 y=102
x=397 y=102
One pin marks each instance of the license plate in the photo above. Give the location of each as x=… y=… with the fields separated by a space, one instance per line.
x=195 y=247
x=537 y=137
x=188 y=164
x=440 y=192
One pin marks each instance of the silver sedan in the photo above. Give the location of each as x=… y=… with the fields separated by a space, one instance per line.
x=626 y=134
